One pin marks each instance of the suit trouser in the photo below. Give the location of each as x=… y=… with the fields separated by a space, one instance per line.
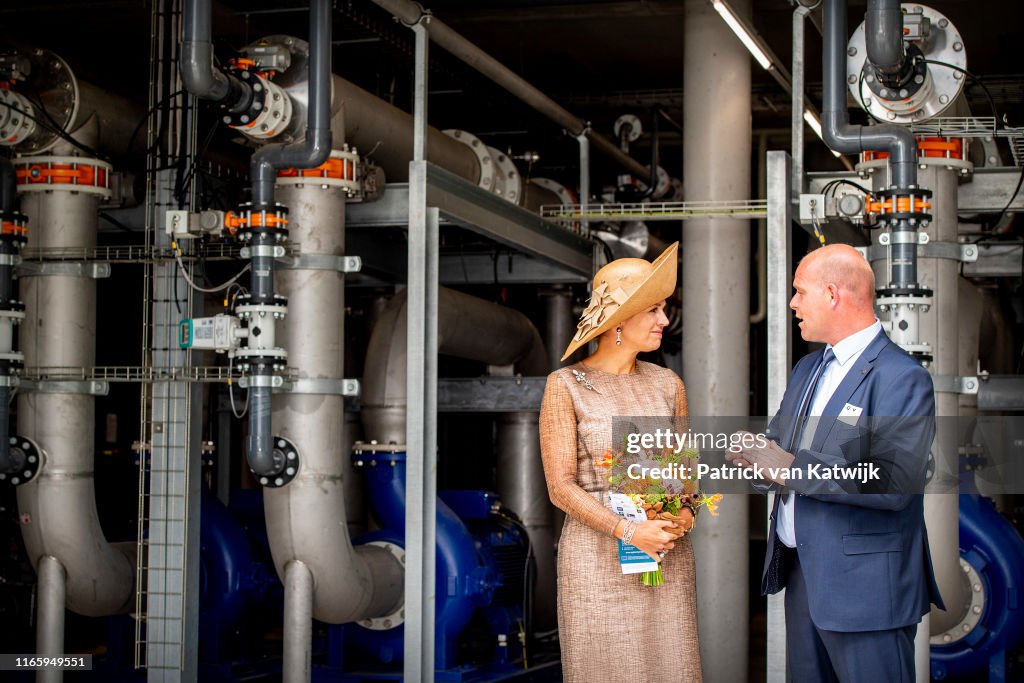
x=814 y=654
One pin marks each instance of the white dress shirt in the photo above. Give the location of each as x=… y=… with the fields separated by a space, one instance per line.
x=847 y=352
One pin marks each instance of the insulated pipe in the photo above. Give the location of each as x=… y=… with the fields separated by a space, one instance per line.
x=521 y=486
x=298 y=623
x=883 y=34
x=467 y=327
x=51 y=595
x=312 y=152
x=373 y=125
x=198 y=74
x=307 y=519
x=842 y=137
x=716 y=262
x=58 y=506
x=410 y=13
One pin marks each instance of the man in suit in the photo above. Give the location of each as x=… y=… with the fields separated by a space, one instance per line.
x=851 y=553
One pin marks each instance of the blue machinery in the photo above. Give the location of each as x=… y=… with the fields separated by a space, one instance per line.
x=992 y=556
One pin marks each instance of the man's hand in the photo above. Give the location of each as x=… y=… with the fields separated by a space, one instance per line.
x=771 y=456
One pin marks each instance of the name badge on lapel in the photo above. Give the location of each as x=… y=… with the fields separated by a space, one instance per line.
x=850 y=414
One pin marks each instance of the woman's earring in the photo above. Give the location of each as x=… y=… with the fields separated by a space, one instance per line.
x=618 y=336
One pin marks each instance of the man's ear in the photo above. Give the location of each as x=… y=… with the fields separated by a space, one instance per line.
x=833 y=293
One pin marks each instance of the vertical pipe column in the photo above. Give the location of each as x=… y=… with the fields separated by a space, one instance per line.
x=50 y=600
x=797 y=107
x=520 y=481
x=298 y=623
x=780 y=330
x=716 y=260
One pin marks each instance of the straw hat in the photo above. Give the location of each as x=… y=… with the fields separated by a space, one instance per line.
x=622 y=289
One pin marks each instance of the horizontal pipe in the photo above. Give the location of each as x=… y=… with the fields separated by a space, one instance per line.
x=467 y=327
x=410 y=13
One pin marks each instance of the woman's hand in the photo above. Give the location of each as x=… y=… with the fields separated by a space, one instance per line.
x=652 y=538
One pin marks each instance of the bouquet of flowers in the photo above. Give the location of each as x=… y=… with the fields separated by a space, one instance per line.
x=641 y=476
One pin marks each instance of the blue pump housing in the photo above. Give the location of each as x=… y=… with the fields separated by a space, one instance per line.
x=483 y=557
x=996 y=552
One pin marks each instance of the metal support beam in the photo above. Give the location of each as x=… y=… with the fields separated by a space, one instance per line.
x=490 y=394
x=780 y=258
x=421 y=378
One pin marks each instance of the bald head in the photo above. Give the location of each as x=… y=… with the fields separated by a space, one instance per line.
x=835 y=292
x=844 y=266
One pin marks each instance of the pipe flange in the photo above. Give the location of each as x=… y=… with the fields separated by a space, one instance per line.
x=483 y=156
x=397 y=616
x=251 y=221
x=627 y=126
x=939 y=86
x=16 y=126
x=28 y=458
x=507 y=181
x=975 y=611
x=268 y=114
x=341 y=170
x=247 y=300
x=286 y=454
x=53 y=86
x=372 y=453
x=70 y=174
x=256 y=311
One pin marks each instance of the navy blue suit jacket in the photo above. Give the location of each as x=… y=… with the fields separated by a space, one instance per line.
x=863 y=548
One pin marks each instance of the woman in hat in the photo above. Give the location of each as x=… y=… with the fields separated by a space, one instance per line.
x=611 y=627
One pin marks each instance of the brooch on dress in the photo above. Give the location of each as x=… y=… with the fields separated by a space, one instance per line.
x=587 y=383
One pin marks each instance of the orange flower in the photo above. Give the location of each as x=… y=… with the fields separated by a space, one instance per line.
x=607 y=460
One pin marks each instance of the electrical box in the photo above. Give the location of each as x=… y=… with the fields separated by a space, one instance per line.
x=812 y=208
x=219 y=333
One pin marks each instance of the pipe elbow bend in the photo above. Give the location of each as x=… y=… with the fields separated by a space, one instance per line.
x=320 y=140
x=197 y=72
x=839 y=135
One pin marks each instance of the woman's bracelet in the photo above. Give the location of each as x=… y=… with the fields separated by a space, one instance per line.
x=627 y=533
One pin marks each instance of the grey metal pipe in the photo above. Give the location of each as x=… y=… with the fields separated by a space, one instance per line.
x=198 y=73
x=373 y=125
x=467 y=327
x=716 y=165
x=313 y=151
x=308 y=520
x=839 y=135
x=520 y=481
x=410 y=13
x=58 y=507
x=883 y=34
x=298 y=623
x=50 y=600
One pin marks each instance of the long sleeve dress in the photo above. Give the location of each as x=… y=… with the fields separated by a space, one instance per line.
x=611 y=627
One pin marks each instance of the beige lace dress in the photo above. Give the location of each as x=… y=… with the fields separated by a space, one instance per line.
x=610 y=626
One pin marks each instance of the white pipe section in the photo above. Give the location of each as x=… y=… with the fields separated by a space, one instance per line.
x=716 y=262
x=58 y=507
x=298 y=623
x=50 y=600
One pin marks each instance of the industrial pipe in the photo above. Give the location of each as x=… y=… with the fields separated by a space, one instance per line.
x=883 y=33
x=842 y=137
x=50 y=599
x=298 y=623
x=198 y=73
x=8 y=249
x=58 y=506
x=410 y=13
x=467 y=327
x=312 y=152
